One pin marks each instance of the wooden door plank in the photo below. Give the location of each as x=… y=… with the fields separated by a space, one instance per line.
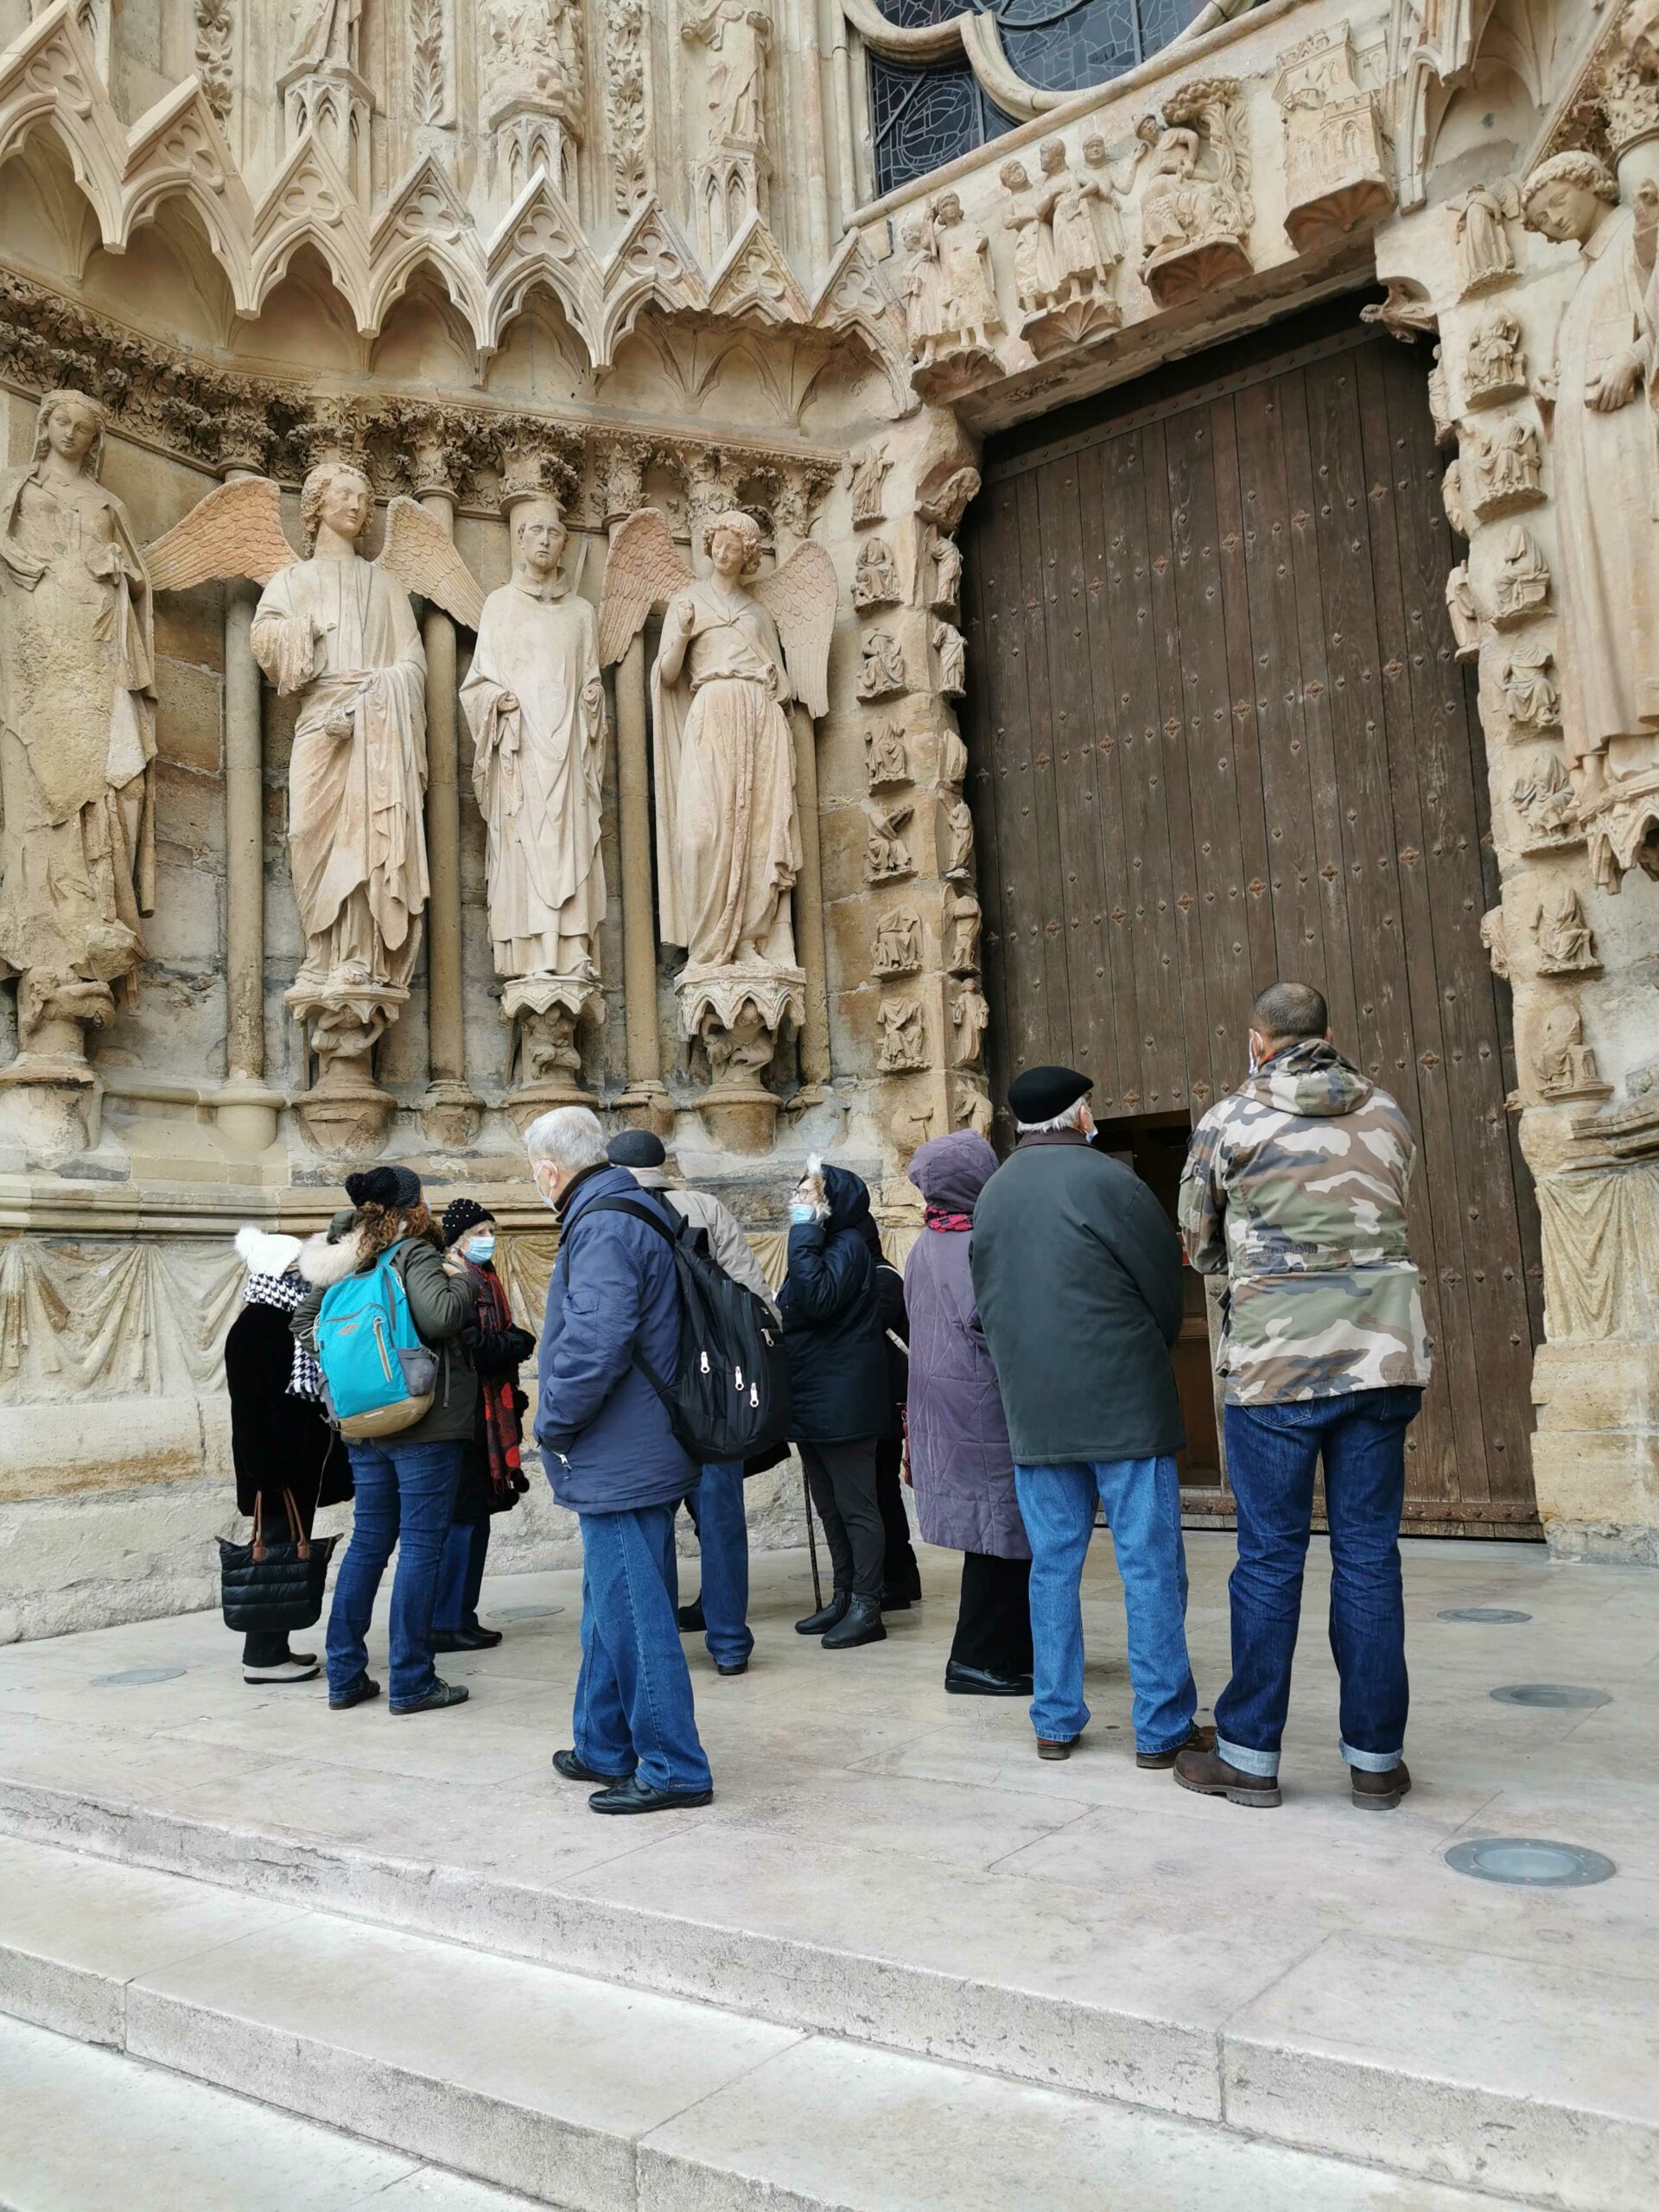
x=1037 y=566
x=1114 y=979
x=985 y=601
x=1241 y=683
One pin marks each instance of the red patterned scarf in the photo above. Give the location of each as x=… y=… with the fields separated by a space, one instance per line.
x=502 y=1431
x=942 y=1217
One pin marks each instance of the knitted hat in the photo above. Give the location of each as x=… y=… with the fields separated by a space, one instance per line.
x=397 y=1189
x=635 y=1148
x=1041 y=1093
x=461 y=1215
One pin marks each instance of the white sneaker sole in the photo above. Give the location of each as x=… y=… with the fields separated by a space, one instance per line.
x=260 y=1676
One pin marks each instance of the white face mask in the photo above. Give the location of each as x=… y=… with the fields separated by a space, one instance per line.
x=480 y=1248
x=550 y=1203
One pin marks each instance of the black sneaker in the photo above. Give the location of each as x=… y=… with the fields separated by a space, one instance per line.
x=440 y=1695
x=360 y=1692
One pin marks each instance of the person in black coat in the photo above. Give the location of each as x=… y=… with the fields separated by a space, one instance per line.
x=491 y=1478
x=840 y=1389
x=281 y=1440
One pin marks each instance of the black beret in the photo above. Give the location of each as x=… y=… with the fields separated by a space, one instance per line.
x=635 y=1148
x=1039 y=1094
x=461 y=1215
x=396 y=1188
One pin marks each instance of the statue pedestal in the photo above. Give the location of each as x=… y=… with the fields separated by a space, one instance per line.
x=546 y=1012
x=345 y=1115
x=739 y=1016
x=50 y=1103
x=452 y=1113
x=646 y=1105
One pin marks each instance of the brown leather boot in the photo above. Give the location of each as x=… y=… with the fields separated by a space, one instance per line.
x=1208 y=1773
x=1056 y=1747
x=1198 y=1740
x=1379 y=1793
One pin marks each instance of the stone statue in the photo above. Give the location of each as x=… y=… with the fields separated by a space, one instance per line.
x=882 y=669
x=532 y=51
x=870 y=468
x=536 y=705
x=1081 y=253
x=1196 y=210
x=875 y=577
x=1451 y=498
x=1566 y=1065
x=923 y=325
x=1495 y=935
x=898 y=944
x=1032 y=269
x=956 y=837
x=1507 y=469
x=325 y=33
x=1544 y=802
x=77 y=736
x=1523 y=586
x=962 y=923
x=886 y=853
x=886 y=756
x=737 y=35
x=903 y=1042
x=969 y=1018
x=1465 y=615
x=1531 y=698
x=1484 y=255
x=950 y=655
x=1495 y=367
x=952 y=309
x=1565 y=942
x=947 y=576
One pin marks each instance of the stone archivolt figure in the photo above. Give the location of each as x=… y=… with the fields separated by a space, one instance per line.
x=923 y=326
x=968 y=313
x=1566 y=942
x=77 y=736
x=1175 y=204
x=1066 y=205
x=536 y=703
x=1485 y=255
x=737 y=36
x=1032 y=268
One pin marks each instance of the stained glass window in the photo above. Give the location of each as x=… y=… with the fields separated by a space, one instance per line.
x=925 y=116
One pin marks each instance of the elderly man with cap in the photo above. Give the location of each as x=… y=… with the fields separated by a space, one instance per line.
x=716 y=1504
x=1077 y=1276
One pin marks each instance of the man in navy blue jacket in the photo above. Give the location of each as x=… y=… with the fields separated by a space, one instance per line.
x=610 y=1456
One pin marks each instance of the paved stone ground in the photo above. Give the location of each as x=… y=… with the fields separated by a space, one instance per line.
x=887 y=1863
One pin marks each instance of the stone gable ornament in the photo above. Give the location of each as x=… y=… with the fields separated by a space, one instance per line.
x=1521 y=588
x=1494 y=368
x=77 y=744
x=735 y=654
x=881 y=668
x=898 y=950
x=886 y=756
x=1195 y=209
x=1335 y=172
x=337 y=634
x=1565 y=942
x=875 y=576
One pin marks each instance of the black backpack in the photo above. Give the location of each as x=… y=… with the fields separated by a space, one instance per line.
x=729 y=1399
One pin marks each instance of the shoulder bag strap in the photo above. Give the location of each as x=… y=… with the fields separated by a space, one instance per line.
x=633 y=1207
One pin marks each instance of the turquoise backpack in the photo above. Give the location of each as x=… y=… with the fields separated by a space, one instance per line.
x=377 y=1376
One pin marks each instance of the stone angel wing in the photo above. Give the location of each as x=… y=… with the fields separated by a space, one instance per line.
x=645 y=567
x=421 y=555
x=237 y=530
x=800 y=597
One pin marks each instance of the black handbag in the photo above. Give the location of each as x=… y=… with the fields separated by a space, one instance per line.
x=273 y=1585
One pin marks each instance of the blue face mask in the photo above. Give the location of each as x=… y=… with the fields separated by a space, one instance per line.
x=803 y=1213
x=480 y=1249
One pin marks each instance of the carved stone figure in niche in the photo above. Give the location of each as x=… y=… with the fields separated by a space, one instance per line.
x=969 y=1018
x=962 y=922
x=1451 y=498
x=1439 y=401
x=1495 y=368
x=972 y=1109
x=885 y=854
x=956 y=837
x=886 y=756
x=1522 y=587
x=1070 y=240
x=953 y=757
x=950 y=657
x=920 y=293
x=1566 y=1065
x=1335 y=174
x=904 y=1040
x=535 y=704
x=876 y=577
x=1606 y=482
x=1506 y=468
x=1464 y=615
x=945 y=589
x=532 y=52
x=1032 y=268
x=898 y=944
x=870 y=468
x=1565 y=942
x=77 y=736
x=1531 y=697
x=737 y=35
x=1494 y=935
x=951 y=301
x=1485 y=256
x=881 y=671
x=1544 y=801
x=1195 y=211
x=325 y=33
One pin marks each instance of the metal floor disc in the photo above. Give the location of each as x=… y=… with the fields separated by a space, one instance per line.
x=1530 y=1863
x=1550 y=1696
x=1492 y=1616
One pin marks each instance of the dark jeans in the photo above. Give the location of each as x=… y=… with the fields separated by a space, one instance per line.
x=1272 y=1455
x=842 y=1478
x=633 y=1704
x=994 y=1626
x=900 y=1573
x=268 y=1647
x=461 y=1575
x=405 y=1493
x=718 y=1515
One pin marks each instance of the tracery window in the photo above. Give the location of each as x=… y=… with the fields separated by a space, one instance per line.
x=926 y=114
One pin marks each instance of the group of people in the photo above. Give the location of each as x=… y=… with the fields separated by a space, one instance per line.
x=1018 y=1369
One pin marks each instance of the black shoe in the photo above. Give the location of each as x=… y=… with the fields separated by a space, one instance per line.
x=895 y=1601
x=862 y=1624
x=691 y=1618
x=733 y=1666
x=830 y=1615
x=575 y=1770
x=440 y=1695
x=359 y=1693
x=465 y=1639
x=979 y=1682
x=633 y=1796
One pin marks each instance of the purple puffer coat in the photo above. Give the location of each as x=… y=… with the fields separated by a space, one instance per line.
x=960 y=1461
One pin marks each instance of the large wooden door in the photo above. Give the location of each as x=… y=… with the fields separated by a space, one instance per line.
x=1219 y=734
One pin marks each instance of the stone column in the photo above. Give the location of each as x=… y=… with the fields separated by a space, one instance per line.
x=451 y=1110
x=793 y=513
x=644 y=1102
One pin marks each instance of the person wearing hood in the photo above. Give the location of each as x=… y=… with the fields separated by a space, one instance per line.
x=1078 y=1274
x=960 y=1462
x=715 y=1504
x=491 y=1480
x=281 y=1440
x=1295 y=1186
x=406 y=1481
x=614 y=1311
x=901 y=1577
x=840 y=1391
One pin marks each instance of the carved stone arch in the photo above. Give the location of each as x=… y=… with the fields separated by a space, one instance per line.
x=309 y=202
x=754 y=279
x=49 y=80
x=652 y=262
x=427 y=221
x=855 y=299
x=178 y=150
x=539 y=241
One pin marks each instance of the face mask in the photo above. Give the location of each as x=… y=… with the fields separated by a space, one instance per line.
x=800 y=1212
x=552 y=1204
x=1255 y=1058
x=480 y=1248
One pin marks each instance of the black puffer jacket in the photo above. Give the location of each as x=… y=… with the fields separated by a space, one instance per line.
x=832 y=1323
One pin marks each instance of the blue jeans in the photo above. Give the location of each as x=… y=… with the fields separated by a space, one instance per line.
x=717 y=1515
x=460 y=1575
x=1142 y=1503
x=633 y=1693
x=1272 y=1453
x=404 y=1494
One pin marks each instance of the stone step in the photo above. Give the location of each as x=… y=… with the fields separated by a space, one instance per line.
x=574 y=2093
x=1467 y=2069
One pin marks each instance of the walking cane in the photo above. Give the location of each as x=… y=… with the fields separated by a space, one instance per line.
x=812 y=1545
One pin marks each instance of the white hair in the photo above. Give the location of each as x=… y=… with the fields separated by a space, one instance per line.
x=1071 y=1119
x=568 y=1138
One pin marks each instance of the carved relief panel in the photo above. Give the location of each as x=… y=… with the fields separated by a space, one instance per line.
x=1336 y=172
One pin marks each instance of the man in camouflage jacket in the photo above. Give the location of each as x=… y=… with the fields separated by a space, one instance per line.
x=1296 y=1185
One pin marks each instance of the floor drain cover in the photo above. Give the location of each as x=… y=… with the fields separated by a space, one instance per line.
x=1526 y=1862
x=524 y=1612
x=134 y=1675
x=1551 y=1696
x=1494 y=1616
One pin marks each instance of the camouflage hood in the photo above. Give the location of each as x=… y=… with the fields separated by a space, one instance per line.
x=1311 y=1078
